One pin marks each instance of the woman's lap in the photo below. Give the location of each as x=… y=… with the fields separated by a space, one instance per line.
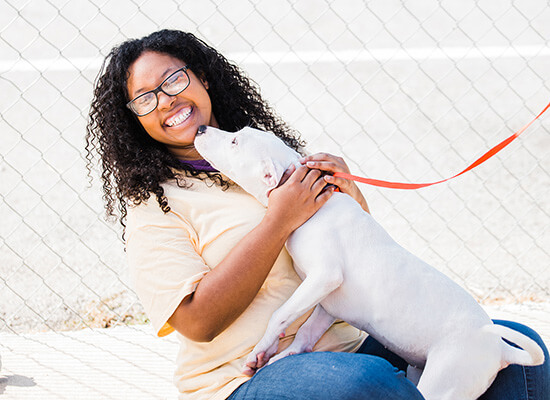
x=325 y=375
x=376 y=373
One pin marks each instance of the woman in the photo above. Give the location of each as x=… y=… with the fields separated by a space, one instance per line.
x=207 y=260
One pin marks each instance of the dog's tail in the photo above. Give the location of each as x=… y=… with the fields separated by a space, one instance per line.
x=530 y=353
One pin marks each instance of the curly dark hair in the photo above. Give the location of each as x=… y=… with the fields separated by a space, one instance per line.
x=133 y=164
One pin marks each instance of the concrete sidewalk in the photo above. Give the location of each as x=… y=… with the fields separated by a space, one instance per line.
x=130 y=362
x=118 y=363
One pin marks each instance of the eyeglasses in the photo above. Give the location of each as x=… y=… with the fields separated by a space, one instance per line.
x=146 y=102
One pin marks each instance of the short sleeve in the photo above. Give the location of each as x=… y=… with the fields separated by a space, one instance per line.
x=164 y=265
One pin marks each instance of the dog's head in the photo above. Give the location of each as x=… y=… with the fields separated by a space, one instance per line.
x=254 y=159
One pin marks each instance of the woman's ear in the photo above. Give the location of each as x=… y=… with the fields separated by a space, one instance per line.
x=204 y=82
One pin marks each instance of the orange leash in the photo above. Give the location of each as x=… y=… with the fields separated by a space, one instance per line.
x=409 y=186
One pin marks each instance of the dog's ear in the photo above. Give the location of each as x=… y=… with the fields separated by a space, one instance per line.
x=272 y=173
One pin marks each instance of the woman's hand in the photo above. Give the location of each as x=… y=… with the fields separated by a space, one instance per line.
x=299 y=195
x=331 y=164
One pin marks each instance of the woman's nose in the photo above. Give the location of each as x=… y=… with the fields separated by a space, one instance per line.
x=165 y=100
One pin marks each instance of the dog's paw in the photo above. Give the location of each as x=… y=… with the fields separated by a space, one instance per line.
x=289 y=351
x=252 y=363
x=259 y=357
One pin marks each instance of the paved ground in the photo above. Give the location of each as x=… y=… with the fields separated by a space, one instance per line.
x=129 y=362
x=118 y=363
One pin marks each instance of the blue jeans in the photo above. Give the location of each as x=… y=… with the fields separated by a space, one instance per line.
x=375 y=373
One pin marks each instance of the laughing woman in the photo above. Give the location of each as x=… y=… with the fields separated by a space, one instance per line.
x=207 y=260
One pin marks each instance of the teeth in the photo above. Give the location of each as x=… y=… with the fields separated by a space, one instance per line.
x=180 y=117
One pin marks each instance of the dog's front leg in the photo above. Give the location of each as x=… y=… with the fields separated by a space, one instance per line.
x=308 y=334
x=312 y=290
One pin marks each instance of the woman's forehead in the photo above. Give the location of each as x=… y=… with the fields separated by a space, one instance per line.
x=149 y=70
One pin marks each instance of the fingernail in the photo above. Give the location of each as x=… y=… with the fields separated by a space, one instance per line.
x=310 y=163
x=329 y=178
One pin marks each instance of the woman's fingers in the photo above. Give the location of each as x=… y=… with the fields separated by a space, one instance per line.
x=335 y=181
x=288 y=172
x=311 y=177
x=324 y=166
x=331 y=164
x=325 y=194
x=326 y=162
x=319 y=185
x=299 y=174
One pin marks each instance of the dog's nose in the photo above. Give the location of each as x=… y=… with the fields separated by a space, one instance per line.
x=202 y=129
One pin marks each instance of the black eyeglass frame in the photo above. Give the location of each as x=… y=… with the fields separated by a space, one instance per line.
x=159 y=89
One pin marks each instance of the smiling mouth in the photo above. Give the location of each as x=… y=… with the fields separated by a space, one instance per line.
x=180 y=117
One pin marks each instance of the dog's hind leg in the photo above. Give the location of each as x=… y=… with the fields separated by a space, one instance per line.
x=437 y=380
x=308 y=334
x=460 y=369
x=313 y=289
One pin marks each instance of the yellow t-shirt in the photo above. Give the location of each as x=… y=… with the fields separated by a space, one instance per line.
x=168 y=254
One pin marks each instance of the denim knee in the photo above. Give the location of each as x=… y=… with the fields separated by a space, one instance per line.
x=376 y=378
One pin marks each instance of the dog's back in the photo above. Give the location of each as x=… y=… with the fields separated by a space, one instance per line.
x=386 y=291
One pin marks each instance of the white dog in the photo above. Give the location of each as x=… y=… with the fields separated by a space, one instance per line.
x=353 y=270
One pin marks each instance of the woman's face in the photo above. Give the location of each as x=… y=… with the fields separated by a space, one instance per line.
x=176 y=119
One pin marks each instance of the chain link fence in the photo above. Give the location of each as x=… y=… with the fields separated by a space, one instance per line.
x=409 y=91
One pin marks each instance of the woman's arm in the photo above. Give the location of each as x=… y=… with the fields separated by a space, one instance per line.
x=225 y=292
x=331 y=164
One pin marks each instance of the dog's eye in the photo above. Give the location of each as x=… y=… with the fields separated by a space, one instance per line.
x=234 y=141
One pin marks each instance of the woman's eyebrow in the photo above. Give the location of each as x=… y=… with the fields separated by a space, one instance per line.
x=163 y=76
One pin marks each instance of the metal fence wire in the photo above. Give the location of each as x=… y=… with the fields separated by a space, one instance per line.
x=407 y=91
